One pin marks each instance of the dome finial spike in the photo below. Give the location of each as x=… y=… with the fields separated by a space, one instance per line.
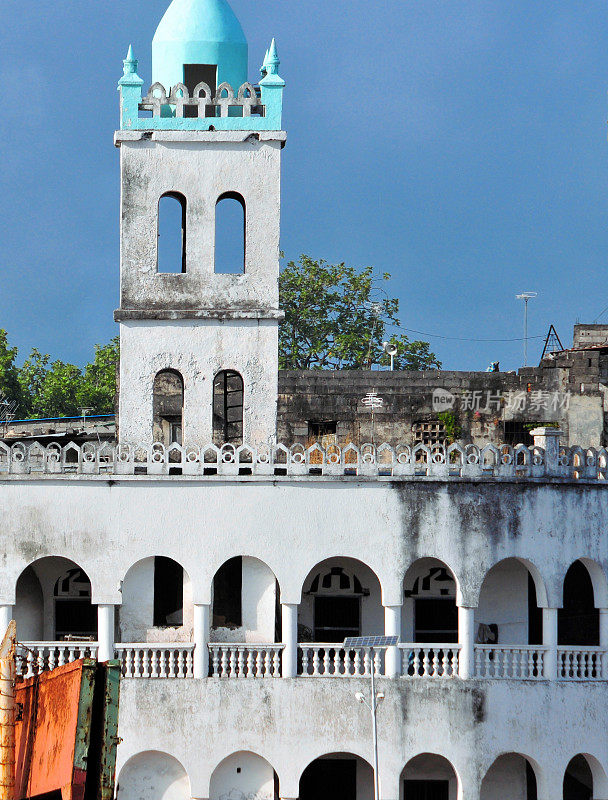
x=272 y=61
x=130 y=56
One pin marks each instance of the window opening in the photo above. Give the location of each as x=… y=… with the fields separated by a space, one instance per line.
x=230 y=234
x=168 y=593
x=74 y=614
x=329 y=777
x=171 y=256
x=426 y=790
x=228 y=408
x=227 y=594
x=200 y=73
x=168 y=407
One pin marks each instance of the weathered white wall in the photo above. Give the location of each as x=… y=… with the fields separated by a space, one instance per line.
x=153 y=776
x=137 y=610
x=245 y=775
x=504 y=601
x=201 y=166
x=505 y=778
x=585 y=420
x=198 y=350
x=290 y=723
x=107 y=526
x=258 y=606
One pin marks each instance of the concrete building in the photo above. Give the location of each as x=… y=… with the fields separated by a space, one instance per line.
x=225 y=568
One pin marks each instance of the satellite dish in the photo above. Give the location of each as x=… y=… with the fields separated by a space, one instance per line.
x=390 y=349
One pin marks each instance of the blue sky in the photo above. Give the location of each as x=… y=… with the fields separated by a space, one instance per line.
x=460 y=146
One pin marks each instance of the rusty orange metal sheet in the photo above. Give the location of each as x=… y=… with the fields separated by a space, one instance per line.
x=53 y=735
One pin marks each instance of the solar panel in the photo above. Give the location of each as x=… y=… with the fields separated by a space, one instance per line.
x=371 y=641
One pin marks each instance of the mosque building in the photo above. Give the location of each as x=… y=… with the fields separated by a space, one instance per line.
x=224 y=566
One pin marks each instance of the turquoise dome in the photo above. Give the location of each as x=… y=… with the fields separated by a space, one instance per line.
x=199 y=32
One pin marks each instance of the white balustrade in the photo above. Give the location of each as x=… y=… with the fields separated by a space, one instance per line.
x=34 y=658
x=429 y=660
x=582 y=664
x=146 y=660
x=229 y=660
x=523 y=662
x=334 y=661
x=385 y=460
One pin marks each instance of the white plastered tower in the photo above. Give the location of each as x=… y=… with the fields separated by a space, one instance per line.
x=203 y=142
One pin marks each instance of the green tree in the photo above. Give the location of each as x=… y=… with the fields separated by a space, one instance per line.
x=98 y=387
x=11 y=392
x=334 y=321
x=59 y=393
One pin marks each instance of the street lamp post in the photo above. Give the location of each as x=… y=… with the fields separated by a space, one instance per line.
x=374 y=643
x=526 y=296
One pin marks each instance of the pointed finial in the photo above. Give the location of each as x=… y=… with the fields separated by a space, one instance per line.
x=272 y=59
x=130 y=62
x=264 y=67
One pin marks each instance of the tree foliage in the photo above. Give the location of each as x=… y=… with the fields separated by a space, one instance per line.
x=41 y=388
x=336 y=317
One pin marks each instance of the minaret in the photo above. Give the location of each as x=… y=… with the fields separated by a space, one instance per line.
x=199 y=342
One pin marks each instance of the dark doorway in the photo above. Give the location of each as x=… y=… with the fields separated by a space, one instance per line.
x=578 y=780
x=227 y=594
x=336 y=618
x=436 y=619
x=427 y=790
x=168 y=593
x=74 y=614
x=535 y=615
x=579 y=619
x=531 y=790
x=331 y=779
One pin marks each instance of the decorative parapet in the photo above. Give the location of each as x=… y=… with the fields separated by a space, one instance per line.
x=455 y=461
x=249 y=108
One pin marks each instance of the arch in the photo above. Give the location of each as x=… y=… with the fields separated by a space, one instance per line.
x=244 y=776
x=156 y=595
x=429 y=775
x=579 y=617
x=584 y=778
x=53 y=600
x=153 y=774
x=245 y=602
x=230 y=234
x=341 y=597
x=510 y=605
x=171 y=233
x=340 y=774
x=168 y=407
x=228 y=403
x=431 y=593
x=511 y=775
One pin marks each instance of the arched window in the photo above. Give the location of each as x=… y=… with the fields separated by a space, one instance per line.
x=172 y=233
x=227 y=408
x=230 y=219
x=168 y=407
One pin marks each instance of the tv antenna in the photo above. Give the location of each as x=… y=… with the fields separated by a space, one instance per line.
x=526 y=297
x=553 y=343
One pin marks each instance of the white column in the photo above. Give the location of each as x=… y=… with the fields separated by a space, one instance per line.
x=105 y=632
x=466 y=639
x=289 y=634
x=202 y=617
x=392 y=627
x=6 y=615
x=604 y=640
x=550 y=642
